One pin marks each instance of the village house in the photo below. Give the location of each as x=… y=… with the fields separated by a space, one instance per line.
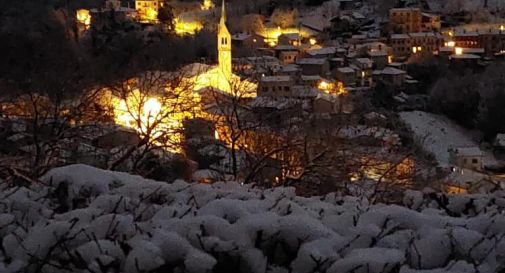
x=336 y=63
x=313 y=80
x=246 y=41
x=314 y=66
x=400 y=44
x=346 y=75
x=322 y=53
x=275 y=86
x=430 y=22
x=406 y=44
x=363 y=68
x=287 y=54
x=405 y=20
x=292 y=70
x=467 y=158
x=98 y=17
x=464 y=61
x=390 y=76
x=380 y=59
x=294 y=39
x=492 y=40
x=148 y=9
x=426 y=41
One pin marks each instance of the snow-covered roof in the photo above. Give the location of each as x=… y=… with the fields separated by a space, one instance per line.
x=240 y=36
x=289 y=68
x=392 y=71
x=399 y=36
x=291 y=36
x=286 y=48
x=311 y=78
x=403 y=9
x=477 y=50
x=311 y=61
x=364 y=61
x=466 y=34
x=322 y=51
x=377 y=53
x=303 y=91
x=357 y=15
x=422 y=34
x=468 y=151
x=275 y=102
x=345 y=70
x=275 y=79
x=465 y=56
x=500 y=140
x=430 y=15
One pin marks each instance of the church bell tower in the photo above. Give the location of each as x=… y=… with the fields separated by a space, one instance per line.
x=224 y=45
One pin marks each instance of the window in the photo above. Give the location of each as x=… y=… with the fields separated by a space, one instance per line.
x=475 y=161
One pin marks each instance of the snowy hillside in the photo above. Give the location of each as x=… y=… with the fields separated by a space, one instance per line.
x=437 y=134
x=468 y=5
x=88 y=220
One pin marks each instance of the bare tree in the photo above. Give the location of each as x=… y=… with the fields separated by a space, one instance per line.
x=155 y=104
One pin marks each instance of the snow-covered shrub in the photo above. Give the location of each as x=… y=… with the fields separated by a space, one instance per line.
x=102 y=221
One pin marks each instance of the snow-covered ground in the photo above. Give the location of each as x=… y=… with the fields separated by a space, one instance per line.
x=437 y=134
x=82 y=219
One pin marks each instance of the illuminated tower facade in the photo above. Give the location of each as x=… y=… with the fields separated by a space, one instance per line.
x=224 y=45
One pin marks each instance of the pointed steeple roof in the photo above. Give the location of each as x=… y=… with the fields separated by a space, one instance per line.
x=223 y=13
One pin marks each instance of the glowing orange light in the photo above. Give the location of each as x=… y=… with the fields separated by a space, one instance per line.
x=458 y=51
x=207 y=4
x=312 y=41
x=187 y=28
x=84 y=17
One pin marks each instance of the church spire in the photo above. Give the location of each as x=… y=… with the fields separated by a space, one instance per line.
x=223 y=13
x=224 y=48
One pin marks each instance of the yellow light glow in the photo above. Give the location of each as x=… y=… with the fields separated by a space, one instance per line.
x=419 y=48
x=207 y=4
x=336 y=88
x=84 y=17
x=450 y=44
x=312 y=41
x=458 y=51
x=162 y=123
x=152 y=107
x=502 y=27
x=147 y=14
x=363 y=74
x=451 y=33
x=414 y=49
x=323 y=85
x=272 y=34
x=390 y=59
x=187 y=28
